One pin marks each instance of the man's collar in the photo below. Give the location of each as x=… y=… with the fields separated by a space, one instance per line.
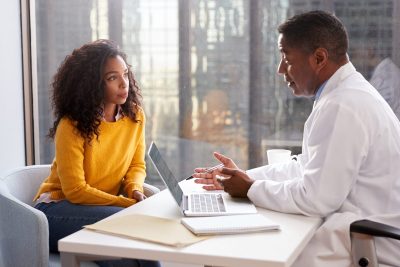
x=319 y=91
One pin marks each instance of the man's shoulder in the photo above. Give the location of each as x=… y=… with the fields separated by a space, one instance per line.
x=351 y=88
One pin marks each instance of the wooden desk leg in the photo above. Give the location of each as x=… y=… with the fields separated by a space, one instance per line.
x=69 y=260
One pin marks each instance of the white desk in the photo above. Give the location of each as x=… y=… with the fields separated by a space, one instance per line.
x=266 y=249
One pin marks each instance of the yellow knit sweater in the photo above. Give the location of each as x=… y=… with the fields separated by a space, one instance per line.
x=95 y=173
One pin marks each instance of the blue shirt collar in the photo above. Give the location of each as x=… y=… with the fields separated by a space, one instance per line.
x=319 y=91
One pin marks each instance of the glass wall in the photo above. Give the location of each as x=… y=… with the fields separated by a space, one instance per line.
x=207 y=68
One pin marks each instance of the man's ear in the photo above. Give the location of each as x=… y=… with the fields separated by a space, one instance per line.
x=320 y=57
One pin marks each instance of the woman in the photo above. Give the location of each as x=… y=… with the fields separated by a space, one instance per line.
x=99 y=141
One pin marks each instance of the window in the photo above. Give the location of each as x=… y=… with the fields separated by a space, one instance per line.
x=207 y=68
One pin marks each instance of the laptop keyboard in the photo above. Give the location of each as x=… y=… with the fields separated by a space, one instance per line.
x=207 y=203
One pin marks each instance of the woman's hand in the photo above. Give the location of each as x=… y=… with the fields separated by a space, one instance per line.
x=210 y=179
x=139 y=196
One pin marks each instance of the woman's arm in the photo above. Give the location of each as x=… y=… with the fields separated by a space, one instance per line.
x=136 y=173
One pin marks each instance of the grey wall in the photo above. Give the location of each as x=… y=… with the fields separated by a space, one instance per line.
x=12 y=143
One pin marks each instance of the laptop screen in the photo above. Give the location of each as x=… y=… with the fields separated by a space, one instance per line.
x=165 y=173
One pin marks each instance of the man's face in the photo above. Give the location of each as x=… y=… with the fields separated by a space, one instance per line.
x=298 y=69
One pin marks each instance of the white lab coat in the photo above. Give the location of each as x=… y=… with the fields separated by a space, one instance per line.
x=349 y=169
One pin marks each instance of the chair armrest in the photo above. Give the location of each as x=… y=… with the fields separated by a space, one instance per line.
x=23 y=233
x=150 y=190
x=375 y=229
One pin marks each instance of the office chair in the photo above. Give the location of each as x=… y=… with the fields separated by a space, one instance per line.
x=24 y=234
x=362 y=235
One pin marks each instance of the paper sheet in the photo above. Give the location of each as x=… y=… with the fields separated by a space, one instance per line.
x=147 y=228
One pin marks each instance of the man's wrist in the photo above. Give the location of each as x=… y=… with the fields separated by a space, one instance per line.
x=249 y=181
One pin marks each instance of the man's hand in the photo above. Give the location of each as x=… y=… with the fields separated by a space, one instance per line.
x=238 y=184
x=210 y=179
x=139 y=196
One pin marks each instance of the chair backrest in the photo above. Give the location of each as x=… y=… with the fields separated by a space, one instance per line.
x=24 y=182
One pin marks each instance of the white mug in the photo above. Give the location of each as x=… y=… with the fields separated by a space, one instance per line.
x=278 y=155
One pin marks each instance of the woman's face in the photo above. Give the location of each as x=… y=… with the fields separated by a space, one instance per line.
x=116 y=81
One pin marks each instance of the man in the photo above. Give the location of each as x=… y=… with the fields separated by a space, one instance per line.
x=386 y=79
x=349 y=166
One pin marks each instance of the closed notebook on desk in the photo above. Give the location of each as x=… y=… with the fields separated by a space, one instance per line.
x=234 y=224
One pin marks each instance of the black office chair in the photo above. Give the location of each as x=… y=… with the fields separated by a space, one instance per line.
x=362 y=241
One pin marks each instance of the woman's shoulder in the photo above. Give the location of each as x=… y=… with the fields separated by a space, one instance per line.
x=139 y=111
x=67 y=122
x=67 y=125
x=139 y=114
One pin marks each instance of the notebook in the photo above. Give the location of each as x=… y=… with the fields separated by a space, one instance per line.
x=201 y=203
x=229 y=224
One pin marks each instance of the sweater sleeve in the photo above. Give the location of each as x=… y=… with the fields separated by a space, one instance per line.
x=136 y=173
x=69 y=146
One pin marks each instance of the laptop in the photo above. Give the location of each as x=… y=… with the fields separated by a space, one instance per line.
x=199 y=203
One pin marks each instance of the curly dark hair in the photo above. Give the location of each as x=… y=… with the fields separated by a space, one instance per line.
x=78 y=88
